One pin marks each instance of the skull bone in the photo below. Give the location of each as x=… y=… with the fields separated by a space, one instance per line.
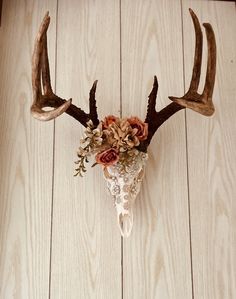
x=124 y=182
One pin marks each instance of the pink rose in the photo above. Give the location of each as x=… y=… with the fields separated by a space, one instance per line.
x=107 y=157
x=141 y=127
x=108 y=120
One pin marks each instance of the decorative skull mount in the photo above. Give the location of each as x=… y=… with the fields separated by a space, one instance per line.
x=116 y=141
x=124 y=186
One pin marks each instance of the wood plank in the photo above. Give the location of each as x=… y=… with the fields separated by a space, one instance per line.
x=157 y=255
x=26 y=155
x=212 y=160
x=0 y=11
x=86 y=255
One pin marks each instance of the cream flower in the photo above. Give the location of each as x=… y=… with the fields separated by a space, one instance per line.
x=121 y=135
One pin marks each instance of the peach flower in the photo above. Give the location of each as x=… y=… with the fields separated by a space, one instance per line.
x=108 y=120
x=141 y=127
x=107 y=157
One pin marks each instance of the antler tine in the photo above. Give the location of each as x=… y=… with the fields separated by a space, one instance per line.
x=194 y=83
x=151 y=108
x=211 y=62
x=198 y=53
x=92 y=105
x=151 y=117
x=40 y=66
x=46 y=78
x=40 y=62
x=201 y=103
x=36 y=63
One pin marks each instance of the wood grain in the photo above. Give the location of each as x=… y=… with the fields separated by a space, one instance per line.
x=157 y=255
x=0 y=11
x=87 y=258
x=86 y=247
x=26 y=155
x=212 y=160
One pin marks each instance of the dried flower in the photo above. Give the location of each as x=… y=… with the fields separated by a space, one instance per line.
x=93 y=137
x=81 y=168
x=107 y=157
x=142 y=128
x=92 y=143
x=121 y=135
x=108 y=120
x=113 y=140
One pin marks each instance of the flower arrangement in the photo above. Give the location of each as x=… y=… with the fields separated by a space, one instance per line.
x=115 y=139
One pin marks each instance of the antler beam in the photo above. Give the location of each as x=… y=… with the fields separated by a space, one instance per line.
x=201 y=103
x=40 y=68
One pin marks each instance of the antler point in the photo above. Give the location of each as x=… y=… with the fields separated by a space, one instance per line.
x=207 y=25
x=93 y=89
x=46 y=17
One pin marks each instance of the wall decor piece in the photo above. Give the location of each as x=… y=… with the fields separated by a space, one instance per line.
x=120 y=145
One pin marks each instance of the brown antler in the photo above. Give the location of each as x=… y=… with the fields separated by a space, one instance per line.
x=40 y=67
x=201 y=103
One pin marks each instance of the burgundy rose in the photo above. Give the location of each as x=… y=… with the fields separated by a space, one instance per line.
x=139 y=126
x=108 y=120
x=107 y=157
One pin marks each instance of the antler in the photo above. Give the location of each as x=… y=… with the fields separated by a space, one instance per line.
x=201 y=103
x=40 y=67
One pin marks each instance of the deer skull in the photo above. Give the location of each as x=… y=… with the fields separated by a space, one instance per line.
x=123 y=179
x=123 y=182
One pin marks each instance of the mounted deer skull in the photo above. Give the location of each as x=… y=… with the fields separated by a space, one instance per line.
x=121 y=145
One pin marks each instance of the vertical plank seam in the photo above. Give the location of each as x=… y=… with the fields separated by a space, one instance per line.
x=122 y=243
x=53 y=159
x=1 y=4
x=120 y=60
x=187 y=156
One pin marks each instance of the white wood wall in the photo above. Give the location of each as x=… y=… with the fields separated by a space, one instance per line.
x=58 y=233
